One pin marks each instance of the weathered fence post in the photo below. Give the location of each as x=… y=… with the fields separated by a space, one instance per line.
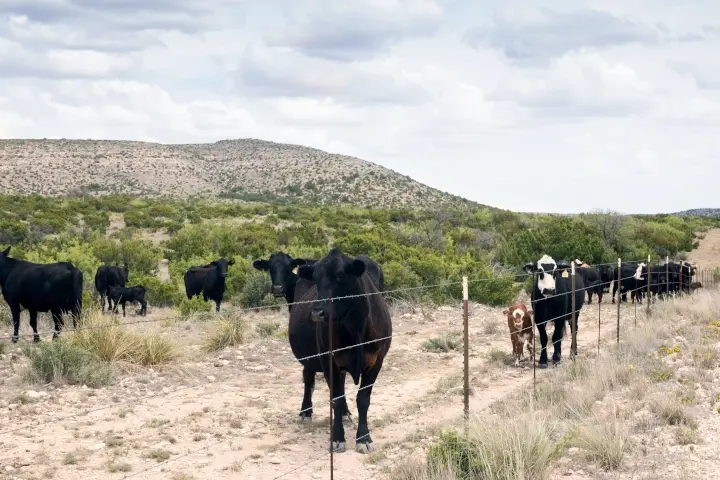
x=573 y=327
x=599 y=320
x=619 y=291
x=649 y=278
x=330 y=383
x=667 y=276
x=466 y=354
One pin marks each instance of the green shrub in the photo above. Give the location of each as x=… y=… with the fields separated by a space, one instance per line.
x=188 y=307
x=255 y=290
x=157 y=292
x=60 y=361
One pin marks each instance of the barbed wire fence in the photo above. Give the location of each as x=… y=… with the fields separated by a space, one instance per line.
x=666 y=289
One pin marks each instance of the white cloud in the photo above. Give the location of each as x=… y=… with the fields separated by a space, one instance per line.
x=620 y=98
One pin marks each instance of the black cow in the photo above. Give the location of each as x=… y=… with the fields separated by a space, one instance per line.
x=551 y=301
x=52 y=287
x=631 y=280
x=123 y=295
x=209 y=280
x=356 y=320
x=591 y=278
x=607 y=275
x=282 y=268
x=108 y=276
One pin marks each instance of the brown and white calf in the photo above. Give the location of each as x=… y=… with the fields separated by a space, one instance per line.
x=521 y=329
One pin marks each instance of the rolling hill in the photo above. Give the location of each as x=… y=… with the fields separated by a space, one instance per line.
x=244 y=169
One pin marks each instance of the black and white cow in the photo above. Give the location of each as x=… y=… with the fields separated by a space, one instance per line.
x=552 y=302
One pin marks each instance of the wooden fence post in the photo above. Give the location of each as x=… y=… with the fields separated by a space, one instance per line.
x=619 y=299
x=573 y=327
x=649 y=278
x=466 y=354
x=330 y=383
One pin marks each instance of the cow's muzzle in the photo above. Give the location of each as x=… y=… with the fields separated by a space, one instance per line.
x=277 y=290
x=318 y=315
x=547 y=292
x=223 y=274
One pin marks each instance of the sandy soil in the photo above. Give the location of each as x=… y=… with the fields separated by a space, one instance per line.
x=233 y=414
x=707 y=255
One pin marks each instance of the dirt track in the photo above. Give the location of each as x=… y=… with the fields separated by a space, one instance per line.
x=233 y=415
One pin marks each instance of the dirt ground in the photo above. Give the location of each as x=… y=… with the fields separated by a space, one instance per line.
x=707 y=255
x=233 y=414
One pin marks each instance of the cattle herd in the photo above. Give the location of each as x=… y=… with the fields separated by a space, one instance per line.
x=346 y=291
x=552 y=298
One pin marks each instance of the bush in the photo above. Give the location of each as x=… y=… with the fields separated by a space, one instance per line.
x=194 y=305
x=255 y=290
x=62 y=362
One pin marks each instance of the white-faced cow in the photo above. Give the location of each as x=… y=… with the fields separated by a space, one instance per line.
x=360 y=315
x=552 y=302
x=108 y=276
x=521 y=330
x=209 y=280
x=51 y=287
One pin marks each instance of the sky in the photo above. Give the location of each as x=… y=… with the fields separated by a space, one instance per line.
x=554 y=105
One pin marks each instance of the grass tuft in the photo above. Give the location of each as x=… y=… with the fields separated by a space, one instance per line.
x=229 y=331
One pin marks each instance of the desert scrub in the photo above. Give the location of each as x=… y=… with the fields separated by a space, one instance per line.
x=449 y=342
x=191 y=306
x=604 y=440
x=115 y=343
x=61 y=361
x=228 y=330
x=498 y=448
x=665 y=350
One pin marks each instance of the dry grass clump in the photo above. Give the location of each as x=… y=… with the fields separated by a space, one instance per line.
x=115 y=343
x=228 y=330
x=498 y=448
x=509 y=446
x=604 y=439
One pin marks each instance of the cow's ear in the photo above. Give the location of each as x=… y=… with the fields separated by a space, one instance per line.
x=231 y=262
x=529 y=268
x=296 y=262
x=306 y=272
x=260 y=264
x=505 y=312
x=6 y=252
x=356 y=267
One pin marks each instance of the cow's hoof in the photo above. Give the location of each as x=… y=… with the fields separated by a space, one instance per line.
x=15 y=339
x=338 y=447
x=364 y=448
x=36 y=338
x=542 y=365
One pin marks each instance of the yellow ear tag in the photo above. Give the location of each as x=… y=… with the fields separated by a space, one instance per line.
x=565 y=274
x=295 y=269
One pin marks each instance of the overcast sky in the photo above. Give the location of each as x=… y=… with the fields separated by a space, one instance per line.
x=567 y=107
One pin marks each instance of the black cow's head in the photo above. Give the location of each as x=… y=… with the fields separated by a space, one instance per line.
x=335 y=274
x=3 y=255
x=222 y=266
x=282 y=268
x=545 y=269
x=339 y=275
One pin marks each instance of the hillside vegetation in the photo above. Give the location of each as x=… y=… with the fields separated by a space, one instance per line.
x=245 y=169
x=413 y=247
